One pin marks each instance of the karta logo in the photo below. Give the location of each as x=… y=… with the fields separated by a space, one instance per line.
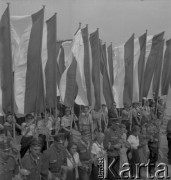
x=112 y=171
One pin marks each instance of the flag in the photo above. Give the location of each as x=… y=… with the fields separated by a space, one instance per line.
x=26 y=32
x=61 y=57
x=166 y=71
x=123 y=82
x=150 y=65
x=51 y=65
x=95 y=49
x=68 y=78
x=87 y=74
x=110 y=61
x=157 y=71
x=107 y=88
x=128 y=60
x=141 y=63
x=7 y=92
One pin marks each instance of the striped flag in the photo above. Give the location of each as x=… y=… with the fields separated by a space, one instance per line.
x=106 y=85
x=95 y=49
x=67 y=86
x=123 y=82
x=129 y=61
x=87 y=73
x=150 y=65
x=51 y=65
x=28 y=77
x=139 y=62
x=6 y=92
x=166 y=71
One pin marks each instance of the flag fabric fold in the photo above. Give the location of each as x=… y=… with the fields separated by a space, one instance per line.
x=26 y=35
x=106 y=85
x=94 y=42
x=51 y=65
x=151 y=61
x=166 y=71
x=110 y=61
x=6 y=92
x=129 y=61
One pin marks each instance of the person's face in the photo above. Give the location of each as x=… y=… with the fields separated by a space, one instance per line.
x=73 y=149
x=137 y=132
x=85 y=110
x=67 y=112
x=9 y=119
x=114 y=106
x=104 y=108
x=100 y=139
x=29 y=118
x=35 y=150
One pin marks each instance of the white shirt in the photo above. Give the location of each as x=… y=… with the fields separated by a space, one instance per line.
x=98 y=149
x=133 y=141
x=30 y=128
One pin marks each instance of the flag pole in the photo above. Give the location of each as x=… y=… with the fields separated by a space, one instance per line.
x=14 y=134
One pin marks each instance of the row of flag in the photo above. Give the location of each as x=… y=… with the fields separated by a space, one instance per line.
x=35 y=67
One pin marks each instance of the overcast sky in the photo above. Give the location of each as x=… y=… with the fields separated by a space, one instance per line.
x=116 y=19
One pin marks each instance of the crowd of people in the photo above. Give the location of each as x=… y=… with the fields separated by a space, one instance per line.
x=67 y=144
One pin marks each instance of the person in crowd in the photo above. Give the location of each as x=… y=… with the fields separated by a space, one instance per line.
x=55 y=159
x=145 y=112
x=96 y=116
x=73 y=162
x=126 y=117
x=9 y=167
x=133 y=155
x=84 y=150
x=168 y=131
x=143 y=150
x=10 y=124
x=86 y=124
x=28 y=131
x=153 y=110
x=135 y=116
x=112 y=143
x=67 y=121
x=104 y=118
x=160 y=108
x=32 y=161
x=113 y=113
x=98 y=152
x=124 y=147
x=153 y=145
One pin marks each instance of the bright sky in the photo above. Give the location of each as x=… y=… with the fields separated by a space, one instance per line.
x=116 y=19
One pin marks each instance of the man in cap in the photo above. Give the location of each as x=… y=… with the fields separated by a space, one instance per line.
x=8 y=163
x=112 y=143
x=32 y=160
x=55 y=160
